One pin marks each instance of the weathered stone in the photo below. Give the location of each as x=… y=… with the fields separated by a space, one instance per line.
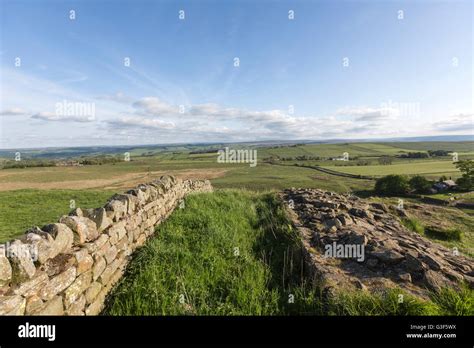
x=84 y=228
x=21 y=262
x=372 y=263
x=379 y=217
x=58 y=264
x=412 y=263
x=108 y=272
x=405 y=277
x=74 y=291
x=469 y=280
x=76 y=212
x=95 y=307
x=345 y=219
x=118 y=209
x=433 y=280
x=63 y=238
x=99 y=216
x=113 y=237
x=58 y=284
x=433 y=262
x=110 y=254
x=356 y=238
x=333 y=222
x=5 y=269
x=362 y=213
x=77 y=308
x=122 y=243
x=99 y=266
x=41 y=244
x=129 y=200
x=140 y=195
x=51 y=307
x=32 y=286
x=84 y=260
x=12 y=305
x=453 y=275
x=92 y=292
x=401 y=212
x=380 y=206
x=33 y=304
x=142 y=239
x=97 y=244
x=103 y=249
x=117 y=232
x=388 y=256
x=116 y=276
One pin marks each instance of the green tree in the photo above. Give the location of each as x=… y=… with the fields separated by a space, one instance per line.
x=385 y=160
x=420 y=184
x=391 y=185
x=466 y=182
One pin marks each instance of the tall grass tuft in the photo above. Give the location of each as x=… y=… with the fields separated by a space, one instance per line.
x=413 y=225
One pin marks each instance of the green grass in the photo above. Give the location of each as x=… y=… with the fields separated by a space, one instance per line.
x=206 y=255
x=192 y=267
x=432 y=169
x=271 y=177
x=174 y=158
x=433 y=232
x=413 y=225
x=458 y=146
x=451 y=234
x=452 y=302
x=22 y=209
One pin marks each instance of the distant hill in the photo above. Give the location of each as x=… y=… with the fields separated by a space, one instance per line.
x=74 y=152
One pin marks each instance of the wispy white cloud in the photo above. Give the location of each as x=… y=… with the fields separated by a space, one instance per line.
x=118 y=97
x=153 y=106
x=141 y=122
x=463 y=121
x=50 y=116
x=13 y=112
x=369 y=113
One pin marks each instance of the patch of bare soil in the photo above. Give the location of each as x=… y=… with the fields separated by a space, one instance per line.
x=123 y=181
x=195 y=174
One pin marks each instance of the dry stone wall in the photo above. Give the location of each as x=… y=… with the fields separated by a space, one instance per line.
x=354 y=243
x=68 y=268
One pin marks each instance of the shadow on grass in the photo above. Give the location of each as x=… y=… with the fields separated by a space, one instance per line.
x=280 y=248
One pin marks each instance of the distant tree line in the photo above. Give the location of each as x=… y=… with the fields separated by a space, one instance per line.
x=429 y=153
x=99 y=160
x=37 y=163
x=28 y=163
x=396 y=185
x=198 y=152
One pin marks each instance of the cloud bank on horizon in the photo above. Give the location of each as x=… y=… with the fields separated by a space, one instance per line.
x=138 y=72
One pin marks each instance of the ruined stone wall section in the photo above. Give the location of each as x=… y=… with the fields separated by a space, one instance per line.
x=77 y=261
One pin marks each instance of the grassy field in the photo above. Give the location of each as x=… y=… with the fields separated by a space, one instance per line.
x=431 y=169
x=180 y=160
x=32 y=196
x=23 y=209
x=234 y=253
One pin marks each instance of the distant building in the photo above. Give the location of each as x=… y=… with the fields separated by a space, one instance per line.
x=445 y=185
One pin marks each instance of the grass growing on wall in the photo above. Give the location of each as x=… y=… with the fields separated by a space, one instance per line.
x=233 y=252
x=22 y=209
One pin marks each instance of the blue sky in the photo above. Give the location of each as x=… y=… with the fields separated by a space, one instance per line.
x=401 y=77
